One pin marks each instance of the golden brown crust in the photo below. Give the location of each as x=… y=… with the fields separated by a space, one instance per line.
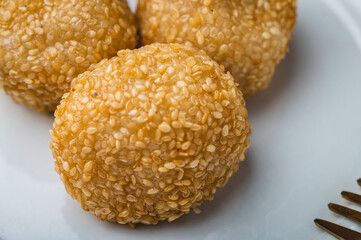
x=248 y=37
x=150 y=134
x=44 y=45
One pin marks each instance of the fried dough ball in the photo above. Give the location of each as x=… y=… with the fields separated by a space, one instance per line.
x=45 y=44
x=150 y=134
x=248 y=37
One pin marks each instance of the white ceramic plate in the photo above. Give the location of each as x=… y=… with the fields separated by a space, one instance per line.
x=306 y=148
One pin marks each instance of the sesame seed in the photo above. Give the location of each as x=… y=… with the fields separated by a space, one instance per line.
x=197 y=210
x=186 y=145
x=266 y=35
x=88 y=166
x=147 y=182
x=79 y=59
x=163 y=169
x=225 y=131
x=123 y=214
x=66 y=166
x=217 y=115
x=200 y=38
x=170 y=165
x=131 y=198
x=176 y=124
x=170 y=70
x=164 y=127
x=144 y=69
x=159 y=95
x=181 y=84
x=211 y=148
x=152 y=191
x=275 y=31
x=174 y=217
x=186 y=182
x=86 y=150
x=73 y=171
x=194 y=164
x=91 y=130
x=140 y=144
x=133 y=112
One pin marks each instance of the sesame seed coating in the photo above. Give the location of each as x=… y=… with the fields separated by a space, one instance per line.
x=45 y=44
x=248 y=37
x=150 y=134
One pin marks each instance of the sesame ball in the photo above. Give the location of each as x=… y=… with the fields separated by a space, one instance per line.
x=150 y=134
x=45 y=44
x=249 y=38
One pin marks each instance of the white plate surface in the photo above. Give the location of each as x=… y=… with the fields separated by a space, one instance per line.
x=306 y=148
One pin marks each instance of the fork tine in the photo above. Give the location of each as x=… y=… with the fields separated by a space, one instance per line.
x=353 y=197
x=346 y=212
x=359 y=181
x=337 y=230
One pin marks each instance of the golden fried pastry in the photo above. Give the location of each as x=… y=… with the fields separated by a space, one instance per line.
x=150 y=134
x=248 y=37
x=45 y=44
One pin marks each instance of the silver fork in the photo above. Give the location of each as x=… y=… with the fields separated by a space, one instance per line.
x=338 y=231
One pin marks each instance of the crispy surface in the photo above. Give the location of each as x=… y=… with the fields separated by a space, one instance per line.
x=44 y=45
x=248 y=37
x=150 y=134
